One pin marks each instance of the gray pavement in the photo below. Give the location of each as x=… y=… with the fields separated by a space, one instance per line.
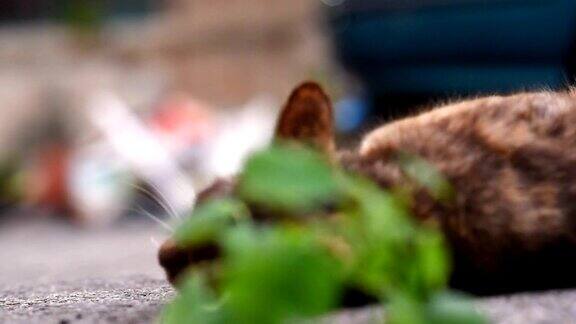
x=54 y=273
x=133 y=299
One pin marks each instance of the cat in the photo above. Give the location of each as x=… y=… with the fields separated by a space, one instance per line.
x=512 y=164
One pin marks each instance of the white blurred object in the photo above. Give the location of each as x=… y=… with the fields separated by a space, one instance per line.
x=142 y=153
x=98 y=184
x=240 y=133
x=102 y=174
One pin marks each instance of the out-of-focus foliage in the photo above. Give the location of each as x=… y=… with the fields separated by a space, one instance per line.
x=277 y=273
x=287 y=180
x=299 y=267
x=209 y=221
x=82 y=15
x=10 y=182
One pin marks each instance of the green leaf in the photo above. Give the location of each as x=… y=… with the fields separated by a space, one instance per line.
x=379 y=212
x=432 y=260
x=405 y=309
x=195 y=304
x=209 y=220
x=274 y=274
x=381 y=235
x=288 y=180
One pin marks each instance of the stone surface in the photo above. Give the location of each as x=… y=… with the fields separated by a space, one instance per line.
x=36 y=249
x=135 y=299
x=55 y=273
x=139 y=299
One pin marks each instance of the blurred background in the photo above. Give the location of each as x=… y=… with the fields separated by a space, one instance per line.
x=114 y=113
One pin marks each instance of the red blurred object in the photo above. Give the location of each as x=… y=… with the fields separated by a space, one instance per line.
x=47 y=184
x=182 y=122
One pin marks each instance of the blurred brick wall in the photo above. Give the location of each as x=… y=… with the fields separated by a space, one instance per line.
x=220 y=51
x=227 y=50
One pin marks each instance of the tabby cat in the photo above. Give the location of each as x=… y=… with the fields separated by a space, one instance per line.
x=510 y=159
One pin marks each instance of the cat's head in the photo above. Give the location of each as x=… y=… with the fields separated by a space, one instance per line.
x=306 y=118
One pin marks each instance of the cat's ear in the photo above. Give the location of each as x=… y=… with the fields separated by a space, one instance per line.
x=307 y=117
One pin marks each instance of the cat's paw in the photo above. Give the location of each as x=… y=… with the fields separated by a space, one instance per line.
x=176 y=260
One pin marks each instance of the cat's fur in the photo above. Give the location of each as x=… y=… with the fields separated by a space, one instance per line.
x=511 y=160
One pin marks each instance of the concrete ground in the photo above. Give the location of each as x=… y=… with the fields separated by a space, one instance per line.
x=54 y=273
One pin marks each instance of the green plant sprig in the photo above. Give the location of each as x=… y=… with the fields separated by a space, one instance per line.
x=299 y=267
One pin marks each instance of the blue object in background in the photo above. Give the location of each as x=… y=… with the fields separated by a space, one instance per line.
x=447 y=47
x=350 y=113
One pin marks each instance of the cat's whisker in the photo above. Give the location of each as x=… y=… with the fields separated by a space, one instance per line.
x=165 y=203
x=161 y=200
x=162 y=223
